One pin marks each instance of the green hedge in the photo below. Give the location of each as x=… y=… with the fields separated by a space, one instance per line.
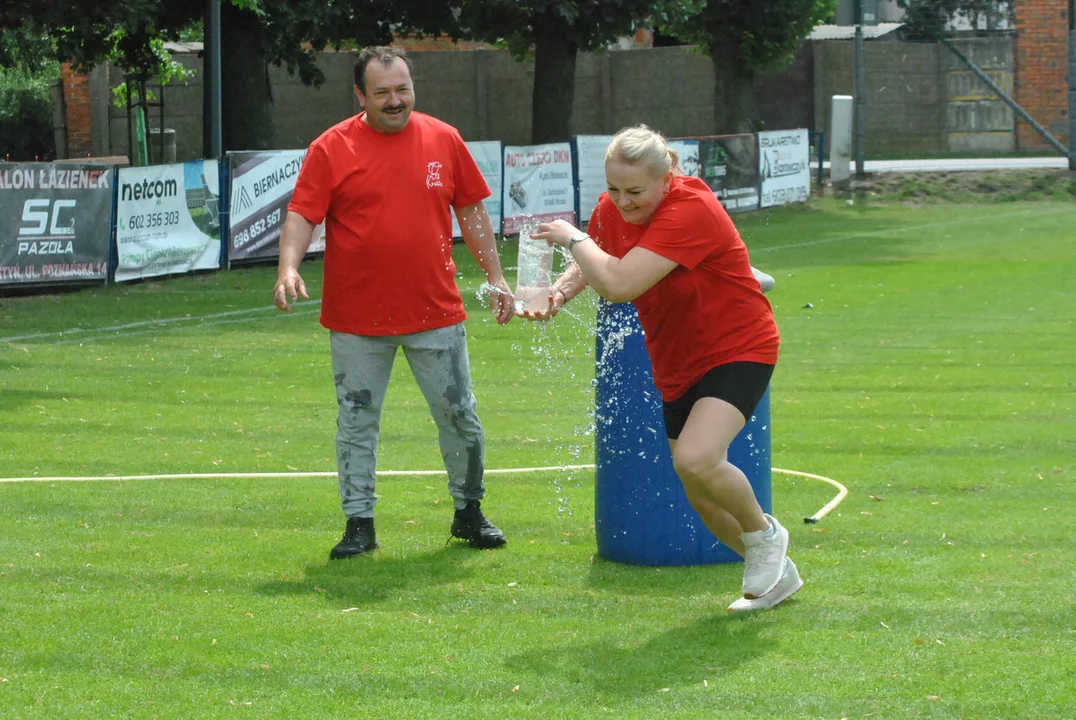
x=26 y=116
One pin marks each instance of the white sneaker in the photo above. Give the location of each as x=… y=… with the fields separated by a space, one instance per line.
x=790 y=583
x=764 y=556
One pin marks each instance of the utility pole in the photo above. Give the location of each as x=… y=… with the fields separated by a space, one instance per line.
x=860 y=92
x=1072 y=85
x=212 y=49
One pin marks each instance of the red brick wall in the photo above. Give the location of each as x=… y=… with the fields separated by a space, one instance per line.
x=1041 y=64
x=77 y=106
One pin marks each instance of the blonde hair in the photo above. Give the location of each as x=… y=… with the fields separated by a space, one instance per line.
x=641 y=146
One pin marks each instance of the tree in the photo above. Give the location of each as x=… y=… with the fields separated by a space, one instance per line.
x=743 y=37
x=25 y=47
x=128 y=33
x=255 y=34
x=557 y=30
x=28 y=72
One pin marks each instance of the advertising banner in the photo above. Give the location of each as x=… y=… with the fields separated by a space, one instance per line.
x=688 y=150
x=784 y=165
x=262 y=184
x=167 y=220
x=538 y=185
x=590 y=171
x=590 y=167
x=729 y=165
x=55 y=222
x=487 y=155
x=261 y=188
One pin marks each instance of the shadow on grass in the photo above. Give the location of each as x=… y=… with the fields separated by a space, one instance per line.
x=636 y=664
x=14 y=397
x=377 y=578
x=637 y=580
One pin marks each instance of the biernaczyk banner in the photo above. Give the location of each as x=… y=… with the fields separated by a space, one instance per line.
x=729 y=165
x=487 y=155
x=537 y=184
x=261 y=187
x=784 y=165
x=167 y=220
x=54 y=222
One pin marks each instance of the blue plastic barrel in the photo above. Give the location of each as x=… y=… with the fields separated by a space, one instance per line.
x=642 y=514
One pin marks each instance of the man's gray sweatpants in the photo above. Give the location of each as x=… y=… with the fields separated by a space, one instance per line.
x=438 y=358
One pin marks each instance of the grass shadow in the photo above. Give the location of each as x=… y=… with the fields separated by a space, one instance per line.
x=377 y=577
x=635 y=665
x=634 y=580
x=14 y=397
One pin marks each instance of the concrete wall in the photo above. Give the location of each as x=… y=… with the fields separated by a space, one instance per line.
x=182 y=112
x=921 y=100
x=918 y=100
x=905 y=113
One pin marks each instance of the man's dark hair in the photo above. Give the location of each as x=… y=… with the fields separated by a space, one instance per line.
x=384 y=54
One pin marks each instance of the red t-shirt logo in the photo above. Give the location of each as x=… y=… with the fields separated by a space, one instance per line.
x=433 y=174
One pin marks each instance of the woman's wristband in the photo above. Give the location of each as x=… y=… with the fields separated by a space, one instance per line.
x=562 y=293
x=576 y=239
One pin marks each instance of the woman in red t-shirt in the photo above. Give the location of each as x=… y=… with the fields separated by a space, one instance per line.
x=663 y=242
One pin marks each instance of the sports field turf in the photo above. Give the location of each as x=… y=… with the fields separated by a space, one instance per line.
x=927 y=364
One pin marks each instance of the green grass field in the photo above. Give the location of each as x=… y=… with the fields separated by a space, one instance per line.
x=927 y=364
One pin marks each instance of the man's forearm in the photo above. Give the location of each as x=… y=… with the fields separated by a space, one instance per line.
x=480 y=239
x=295 y=240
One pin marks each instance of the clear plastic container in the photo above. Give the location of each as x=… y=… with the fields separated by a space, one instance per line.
x=535 y=269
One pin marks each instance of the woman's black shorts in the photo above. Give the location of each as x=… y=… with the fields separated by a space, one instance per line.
x=741 y=384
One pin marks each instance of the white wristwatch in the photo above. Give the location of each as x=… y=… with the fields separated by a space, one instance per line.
x=576 y=240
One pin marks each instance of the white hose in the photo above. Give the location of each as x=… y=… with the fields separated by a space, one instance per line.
x=842 y=490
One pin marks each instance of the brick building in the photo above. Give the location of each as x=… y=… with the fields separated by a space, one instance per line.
x=1041 y=70
x=77 y=113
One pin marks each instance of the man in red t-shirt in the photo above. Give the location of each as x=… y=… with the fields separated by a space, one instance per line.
x=384 y=182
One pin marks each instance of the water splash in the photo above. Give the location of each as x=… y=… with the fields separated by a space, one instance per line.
x=547 y=354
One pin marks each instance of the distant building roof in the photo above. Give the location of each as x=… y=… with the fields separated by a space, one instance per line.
x=183 y=47
x=848 y=32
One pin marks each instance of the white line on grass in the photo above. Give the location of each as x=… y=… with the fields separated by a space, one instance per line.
x=200 y=319
x=82 y=339
x=841 y=494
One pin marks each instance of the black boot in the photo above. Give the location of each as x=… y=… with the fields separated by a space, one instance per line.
x=358 y=538
x=471 y=525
